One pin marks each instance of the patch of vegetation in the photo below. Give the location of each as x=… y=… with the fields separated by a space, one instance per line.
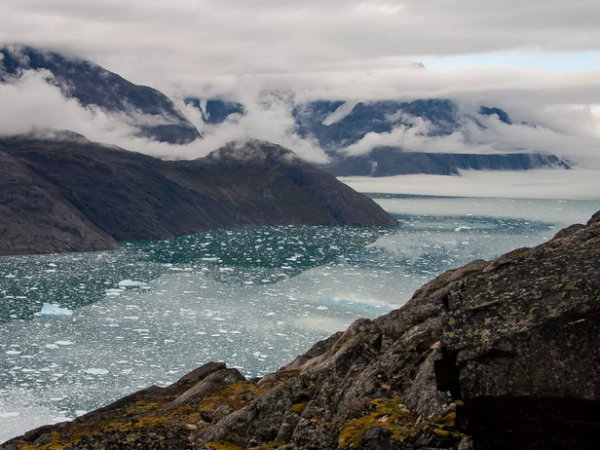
x=388 y=413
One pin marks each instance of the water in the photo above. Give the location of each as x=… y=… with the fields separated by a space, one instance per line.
x=80 y=330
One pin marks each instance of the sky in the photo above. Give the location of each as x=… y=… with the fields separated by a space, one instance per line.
x=538 y=60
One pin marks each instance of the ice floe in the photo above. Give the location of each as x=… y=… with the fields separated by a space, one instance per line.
x=51 y=309
x=96 y=371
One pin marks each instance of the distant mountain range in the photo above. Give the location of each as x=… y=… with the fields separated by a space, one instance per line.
x=333 y=125
x=75 y=195
x=93 y=85
x=336 y=125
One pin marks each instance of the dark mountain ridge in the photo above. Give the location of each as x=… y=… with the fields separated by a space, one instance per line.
x=443 y=117
x=389 y=161
x=215 y=111
x=93 y=85
x=77 y=195
x=333 y=124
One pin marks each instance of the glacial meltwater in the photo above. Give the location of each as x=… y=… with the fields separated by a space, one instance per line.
x=78 y=331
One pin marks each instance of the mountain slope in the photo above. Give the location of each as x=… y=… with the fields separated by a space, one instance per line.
x=389 y=161
x=215 y=111
x=123 y=195
x=371 y=117
x=494 y=355
x=338 y=125
x=151 y=111
x=36 y=218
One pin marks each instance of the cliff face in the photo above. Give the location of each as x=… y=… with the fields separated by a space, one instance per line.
x=493 y=355
x=76 y=195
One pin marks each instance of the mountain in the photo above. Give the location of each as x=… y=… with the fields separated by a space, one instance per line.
x=389 y=161
x=149 y=110
x=336 y=125
x=75 y=195
x=493 y=355
x=215 y=111
x=314 y=119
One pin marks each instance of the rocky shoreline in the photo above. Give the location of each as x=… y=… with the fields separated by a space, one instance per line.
x=493 y=355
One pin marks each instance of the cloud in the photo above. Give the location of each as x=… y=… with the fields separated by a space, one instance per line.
x=31 y=102
x=183 y=41
x=570 y=132
x=542 y=184
x=355 y=50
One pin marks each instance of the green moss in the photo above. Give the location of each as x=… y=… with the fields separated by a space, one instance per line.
x=448 y=420
x=299 y=408
x=389 y=413
x=223 y=445
x=441 y=433
x=516 y=253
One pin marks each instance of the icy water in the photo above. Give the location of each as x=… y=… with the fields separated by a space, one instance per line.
x=80 y=330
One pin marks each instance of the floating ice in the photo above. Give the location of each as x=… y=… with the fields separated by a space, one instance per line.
x=463 y=228
x=64 y=343
x=96 y=371
x=51 y=309
x=349 y=271
x=113 y=292
x=131 y=284
x=8 y=415
x=13 y=352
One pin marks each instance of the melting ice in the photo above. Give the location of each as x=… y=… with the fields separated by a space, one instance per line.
x=80 y=330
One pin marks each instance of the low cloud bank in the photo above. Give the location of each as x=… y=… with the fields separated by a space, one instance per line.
x=576 y=184
x=32 y=103
x=568 y=130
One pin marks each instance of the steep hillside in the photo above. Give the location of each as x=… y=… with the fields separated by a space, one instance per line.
x=98 y=195
x=151 y=111
x=491 y=356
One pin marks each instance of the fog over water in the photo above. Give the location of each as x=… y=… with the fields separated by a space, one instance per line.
x=80 y=330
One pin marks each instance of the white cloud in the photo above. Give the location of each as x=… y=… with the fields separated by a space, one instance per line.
x=327 y=49
x=542 y=184
x=31 y=102
x=165 y=44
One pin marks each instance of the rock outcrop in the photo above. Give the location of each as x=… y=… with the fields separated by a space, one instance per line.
x=74 y=195
x=493 y=355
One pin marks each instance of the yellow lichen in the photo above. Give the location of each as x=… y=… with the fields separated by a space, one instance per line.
x=441 y=433
x=389 y=413
x=448 y=420
x=223 y=445
x=299 y=408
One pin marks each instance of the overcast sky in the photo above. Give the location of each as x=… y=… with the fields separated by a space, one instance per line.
x=539 y=60
x=192 y=42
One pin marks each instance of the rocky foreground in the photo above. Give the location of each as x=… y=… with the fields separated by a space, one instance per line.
x=72 y=195
x=493 y=355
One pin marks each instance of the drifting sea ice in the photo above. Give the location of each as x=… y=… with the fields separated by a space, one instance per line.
x=50 y=309
x=256 y=302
